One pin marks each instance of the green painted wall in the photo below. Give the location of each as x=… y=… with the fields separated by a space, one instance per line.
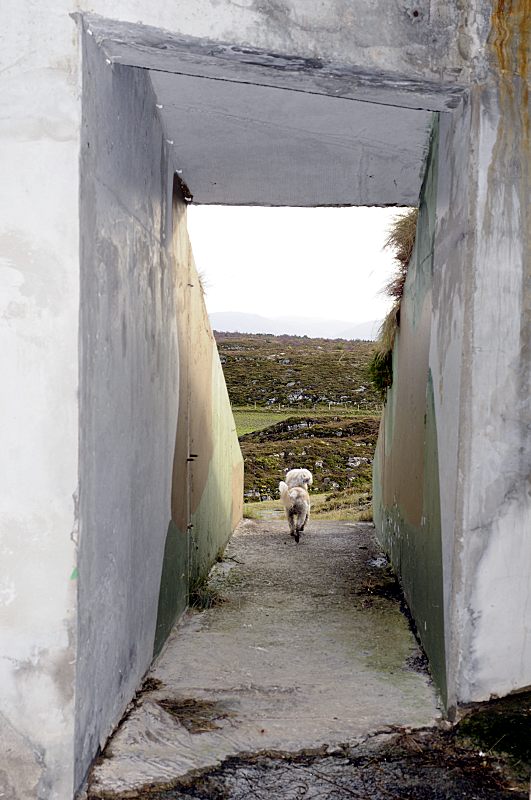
x=219 y=507
x=406 y=479
x=173 y=595
x=207 y=482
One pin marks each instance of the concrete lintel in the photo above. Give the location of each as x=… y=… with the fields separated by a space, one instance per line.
x=149 y=47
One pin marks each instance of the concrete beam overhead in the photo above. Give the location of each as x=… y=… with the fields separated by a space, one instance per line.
x=240 y=144
x=139 y=45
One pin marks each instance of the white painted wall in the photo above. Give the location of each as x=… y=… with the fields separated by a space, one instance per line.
x=436 y=39
x=39 y=298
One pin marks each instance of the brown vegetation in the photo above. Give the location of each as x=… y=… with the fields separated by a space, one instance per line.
x=401 y=241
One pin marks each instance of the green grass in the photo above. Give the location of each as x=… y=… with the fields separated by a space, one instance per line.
x=249 y=420
x=250 y=512
x=349 y=506
x=329 y=446
x=203 y=596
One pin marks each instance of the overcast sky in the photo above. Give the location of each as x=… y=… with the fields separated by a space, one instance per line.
x=326 y=263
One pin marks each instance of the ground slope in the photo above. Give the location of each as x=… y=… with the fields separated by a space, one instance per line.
x=296 y=371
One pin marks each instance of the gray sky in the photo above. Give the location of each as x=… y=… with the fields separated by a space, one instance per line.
x=326 y=263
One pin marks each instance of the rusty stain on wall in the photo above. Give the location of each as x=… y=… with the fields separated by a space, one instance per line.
x=510 y=43
x=509 y=175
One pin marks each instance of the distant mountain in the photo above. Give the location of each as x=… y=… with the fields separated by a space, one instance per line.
x=294 y=326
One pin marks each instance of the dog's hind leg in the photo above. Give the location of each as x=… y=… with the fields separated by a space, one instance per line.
x=304 y=516
x=291 y=519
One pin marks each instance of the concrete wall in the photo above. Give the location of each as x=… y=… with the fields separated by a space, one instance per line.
x=492 y=590
x=128 y=391
x=217 y=472
x=39 y=306
x=207 y=482
x=114 y=407
x=147 y=402
x=406 y=466
x=473 y=384
x=428 y=40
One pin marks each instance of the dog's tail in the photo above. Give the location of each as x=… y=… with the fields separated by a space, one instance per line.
x=283 y=489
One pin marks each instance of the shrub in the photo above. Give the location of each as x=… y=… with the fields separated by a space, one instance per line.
x=381 y=371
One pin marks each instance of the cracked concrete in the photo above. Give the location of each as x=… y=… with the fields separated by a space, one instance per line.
x=309 y=648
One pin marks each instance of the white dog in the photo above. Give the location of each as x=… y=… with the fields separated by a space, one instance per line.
x=296 y=501
x=299 y=477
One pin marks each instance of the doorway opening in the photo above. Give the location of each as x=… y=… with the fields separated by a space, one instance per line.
x=296 y=301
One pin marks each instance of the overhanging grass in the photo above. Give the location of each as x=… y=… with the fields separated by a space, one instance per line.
x=401 y=240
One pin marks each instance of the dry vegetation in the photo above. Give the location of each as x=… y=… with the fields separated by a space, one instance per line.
x=401 y=241
x=296 y=372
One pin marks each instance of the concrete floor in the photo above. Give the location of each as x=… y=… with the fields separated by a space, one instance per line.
x=310 y=648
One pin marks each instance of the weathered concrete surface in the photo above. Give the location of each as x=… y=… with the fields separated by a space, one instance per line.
x=128 y=391
x=473 y=390
x=293 y=104
x=156 y=428
x=406 y=467
x=406 y=765
x=39 y=309
x=269 y=146
x=307 y=650
x=437 y=41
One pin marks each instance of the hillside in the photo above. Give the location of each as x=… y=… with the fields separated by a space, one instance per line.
x=296 y=371
x=327 y=421
x=339 y=452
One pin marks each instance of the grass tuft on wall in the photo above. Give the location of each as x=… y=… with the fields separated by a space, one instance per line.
x=401 y=240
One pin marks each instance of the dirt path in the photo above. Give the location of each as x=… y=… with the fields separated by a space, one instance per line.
x=309 y=649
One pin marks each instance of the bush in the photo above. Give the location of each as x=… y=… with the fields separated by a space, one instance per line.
x=381 y=371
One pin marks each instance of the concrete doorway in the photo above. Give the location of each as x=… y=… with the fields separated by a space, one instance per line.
x=239 y=128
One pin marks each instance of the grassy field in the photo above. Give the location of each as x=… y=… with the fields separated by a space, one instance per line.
x=250 y=419
x=351 y=506
x=337 y=449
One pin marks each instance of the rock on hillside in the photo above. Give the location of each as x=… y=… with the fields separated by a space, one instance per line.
x=339 y=452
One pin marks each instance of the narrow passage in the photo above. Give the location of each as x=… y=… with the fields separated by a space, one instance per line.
x=308 y=649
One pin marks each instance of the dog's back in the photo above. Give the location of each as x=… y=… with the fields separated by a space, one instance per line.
x=299 y=477
x=297 y=504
